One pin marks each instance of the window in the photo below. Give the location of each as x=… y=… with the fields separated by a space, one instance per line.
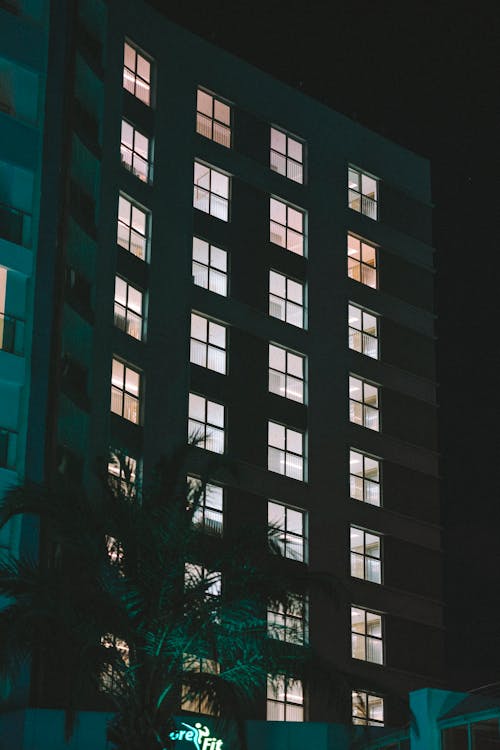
x=213 y=118
x=362 y=261
x=287 y=622
x=364 y=478
x=476 y=735
x=133 y=227
x=363 y=331
x=286 y=226
x=128 y=308
x=363 y=403
x=367 y=708
x=287 y=156
x=209 y=267
x=137 y=73
x=199 y=579
x=285 y=451
x=135 y=152
x=206 y=423
x=363 y=192
x=286 y=299
x=125 y=391
x=191 y=700
x=211 y=191
x=119 y=661
x=291 y=525
x=208 y=343
x=122 y=472
x=366 y=633
x=285 y=699
x=366 y=562
x=286 y=373
x=208 y=514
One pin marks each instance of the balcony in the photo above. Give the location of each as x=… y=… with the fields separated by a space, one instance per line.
x=11 y=334
x=15 y=225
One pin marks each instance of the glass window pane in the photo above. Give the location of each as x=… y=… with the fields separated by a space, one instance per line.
x=217 y=335
x=222 y=112
x=200 y=250
x=132 y=379
x=141 y=145
x=295 y=365
x=196 y=407
x=277 y=211
x=295 y=291
x=278 y=141
x=295 y=149
x=276 y=435
x=277 y=358
x=117 y=374
x=143 y=68
x=127 y=134
x=120 y=291
x=220 y=184
x=295 y=219
x=294 y=441
x=138 y=220
x=215 y=414
x=277 y=284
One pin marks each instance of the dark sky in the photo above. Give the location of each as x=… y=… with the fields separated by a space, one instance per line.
x=425 y=75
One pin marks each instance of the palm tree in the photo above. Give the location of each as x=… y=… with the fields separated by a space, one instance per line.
x=127 y=598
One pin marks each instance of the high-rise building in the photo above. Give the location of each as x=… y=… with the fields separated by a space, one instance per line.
x=227 y=258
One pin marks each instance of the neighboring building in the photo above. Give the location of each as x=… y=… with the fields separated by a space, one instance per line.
x=239 y=262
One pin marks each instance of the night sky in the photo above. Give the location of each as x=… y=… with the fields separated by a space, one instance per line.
x=425 y=75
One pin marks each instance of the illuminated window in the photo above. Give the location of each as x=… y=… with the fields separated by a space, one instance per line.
x=367 y=708
x=191 y=699
x=199 y=579
x=213 y=118
x=291 y=527
x=364 y=478
x=208 y=515
x=135 y=151
x=208 y=343
x=210 y=269
x=366 y=634
x=287 y=622
x=362 y=261
x=286 y=451
x=137 y=73
x=366 y=562
x=286 y=373
x=286 y=226
x=122 y=472
x=363 y=403
x=206 y=423
x=363 y=331
x=286 y=299
x=112 y=676
x=363 y=192
x=285 y=699
x=128 y=308
x=211 y=191
x=287 y=155
x=133 y=227
x=125 y=391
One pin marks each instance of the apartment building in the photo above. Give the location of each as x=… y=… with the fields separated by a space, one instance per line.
x=239 y=262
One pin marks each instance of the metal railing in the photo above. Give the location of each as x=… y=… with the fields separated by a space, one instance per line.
x=15 y=225
x=11 y=334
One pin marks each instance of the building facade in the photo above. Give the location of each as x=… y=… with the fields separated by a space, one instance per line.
x=237 y=262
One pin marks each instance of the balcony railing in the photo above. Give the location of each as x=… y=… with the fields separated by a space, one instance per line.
x=11 y=334
x=15 y=225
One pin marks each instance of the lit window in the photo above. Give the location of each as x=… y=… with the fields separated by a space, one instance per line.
x=206 y=423
x=198 y=579
x=363 y=331
x=285 y=451
x=366 y=562
x=290 y=525
x=286 y=226
x=366 y=633
x=193 y=700
x=364 y=478
x=367 y=708
x=135 y=152
x=137 y=73
x=133 y=227
x=362 y=261
x=211 y=191
x=285 y=699
x=115 y=553
x=363 y=403
x=213 y=118
x=125 y=391
x=209 y=267
x=208 y=512
x=208 y=343
x=287 y=622
x=122 y=472
x=363 y=193
x=287 y=156
x=286 y=373
x=112 y=676
x=128 y=308
x=286 y=299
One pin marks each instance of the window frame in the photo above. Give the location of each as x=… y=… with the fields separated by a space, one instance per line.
x=201 y=433
x=288 y=301
x=364 y=477
x=287 y=540
x=273 y=686
x=148 y=84
x=365 y=557
x=287 y=374
x=141 y=317
x=148 y=178
x=213 y=119
x=212 y=271
x=366 y=407
x=284 y=624
x=286 y=453
x=364 y=268
x=367 y=720
x=287 y=227
x=210 y=348
x=130 y=230
x=367 y=340
x=366 y=637
x=200 y=520
x=367 y=204
x=124 y=392
x=289 y=160
x=225 y=199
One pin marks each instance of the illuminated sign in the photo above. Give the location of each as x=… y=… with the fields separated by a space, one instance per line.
x=199 y=735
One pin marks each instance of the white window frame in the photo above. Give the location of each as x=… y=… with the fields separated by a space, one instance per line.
x=287 y=226
x=216 y=125
x=366 y=558
x=286 y=377
x=138 y=80
x=361 y=198
x=286 y=308
x=280 y=458
x=282 y=146
x=368 y=639
x=133 y=159
x=210 y=267
x=365 y=412
x=365 y=338
x=205 y=198
x=128 y=235
x=206 y=348
x=362 y=486
x=362 y=261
